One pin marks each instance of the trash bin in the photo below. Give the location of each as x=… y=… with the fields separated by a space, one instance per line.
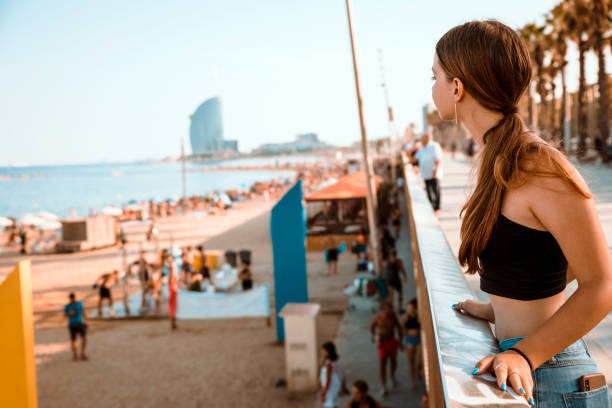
x=231 y=257
x=301 y=347
x=245 y=255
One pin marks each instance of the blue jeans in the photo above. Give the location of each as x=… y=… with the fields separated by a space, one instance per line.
x=556 y=381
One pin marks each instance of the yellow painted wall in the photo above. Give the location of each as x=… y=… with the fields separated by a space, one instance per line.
x=17 y=365
x=317 y=242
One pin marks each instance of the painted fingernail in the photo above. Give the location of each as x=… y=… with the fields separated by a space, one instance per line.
x=522 y=390
x=475 y=370
x=531 y=401
x=455 y=305
x=503 y=386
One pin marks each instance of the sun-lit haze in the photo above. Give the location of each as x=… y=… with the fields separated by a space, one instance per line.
x=117 y=81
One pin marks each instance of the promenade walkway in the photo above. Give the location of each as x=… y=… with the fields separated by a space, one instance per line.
x=455 y=188
x=357 y=352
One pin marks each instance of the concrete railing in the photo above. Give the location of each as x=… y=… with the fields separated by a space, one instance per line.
x=452 y=343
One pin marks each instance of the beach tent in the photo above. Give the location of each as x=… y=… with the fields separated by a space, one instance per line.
x=30 y=219
x=111 y=210
x=49 y=226
x=339 y=210
x=47 y=216
x=348 y=187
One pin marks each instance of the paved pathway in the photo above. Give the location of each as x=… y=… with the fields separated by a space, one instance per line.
x=357 y=352
x=454 y=192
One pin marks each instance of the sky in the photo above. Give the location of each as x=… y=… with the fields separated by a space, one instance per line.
x=90 y=81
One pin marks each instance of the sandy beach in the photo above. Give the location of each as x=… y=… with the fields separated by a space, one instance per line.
x=137 y=363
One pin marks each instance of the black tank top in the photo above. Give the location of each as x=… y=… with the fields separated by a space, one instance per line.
x=522 y=263
x=393 y=272
x=369 y=400
x=412 y=323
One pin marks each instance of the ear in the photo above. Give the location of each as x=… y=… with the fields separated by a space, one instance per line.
x=457 y=88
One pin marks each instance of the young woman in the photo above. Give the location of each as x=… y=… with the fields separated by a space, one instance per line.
x=412 y=341
x=331 y=379
x=529 y=226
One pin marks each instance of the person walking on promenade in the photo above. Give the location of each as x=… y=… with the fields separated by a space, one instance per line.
x=396 y=275
x=529 y=226
x=396 y=221
x=387 y=242
x=470 y=149
x=361 y=398
x=76 y=325
x=105 y=281
x=331 y=379
x=429 y=160
x=383 y=329
x=412 y=342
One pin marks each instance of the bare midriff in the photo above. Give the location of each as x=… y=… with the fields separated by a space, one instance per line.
x=518 y=318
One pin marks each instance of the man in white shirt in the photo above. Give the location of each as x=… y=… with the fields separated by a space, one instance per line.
x=429 y=159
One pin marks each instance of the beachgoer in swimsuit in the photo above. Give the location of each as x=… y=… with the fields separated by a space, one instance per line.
x=106 y=281
x=331 y=250
x=412 y=341
x=246 y=276
x=172 y=291
x=144 y=276
x=77 y=319
x=383 y=330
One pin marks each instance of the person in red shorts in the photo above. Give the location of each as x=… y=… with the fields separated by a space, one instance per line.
x=384 y=328
x=172 y=291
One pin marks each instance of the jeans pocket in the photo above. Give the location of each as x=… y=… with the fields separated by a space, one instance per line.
x=588 y=399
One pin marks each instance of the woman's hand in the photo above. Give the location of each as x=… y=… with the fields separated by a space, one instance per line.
x=509 y=367
x=479 y=310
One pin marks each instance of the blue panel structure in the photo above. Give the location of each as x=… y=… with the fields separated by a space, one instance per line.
x=288 y=231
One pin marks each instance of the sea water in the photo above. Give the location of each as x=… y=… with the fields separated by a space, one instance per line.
x=58 y=189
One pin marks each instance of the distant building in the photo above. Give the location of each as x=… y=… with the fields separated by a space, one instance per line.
x=206 y=131
x=304 y=143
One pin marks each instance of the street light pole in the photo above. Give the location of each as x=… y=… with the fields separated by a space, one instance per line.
x=370 y=198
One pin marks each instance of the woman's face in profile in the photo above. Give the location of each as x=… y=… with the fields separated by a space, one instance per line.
x=441 y=92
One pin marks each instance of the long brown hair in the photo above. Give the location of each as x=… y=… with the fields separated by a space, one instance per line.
x=493 y=64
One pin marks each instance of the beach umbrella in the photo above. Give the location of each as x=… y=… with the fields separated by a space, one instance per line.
x=5 y=222
x=111 y=210
x=49 y=226
x=30 y=219
x=45 y=215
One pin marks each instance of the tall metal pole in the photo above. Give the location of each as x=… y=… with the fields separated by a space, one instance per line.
x=183 y=175
x=370 y=198
x=391 y=121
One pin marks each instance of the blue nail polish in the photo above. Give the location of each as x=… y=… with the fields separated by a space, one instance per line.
x=531 y=401
x=455 y=305
x=475 y=370
x=522 y=390
x=503 y=386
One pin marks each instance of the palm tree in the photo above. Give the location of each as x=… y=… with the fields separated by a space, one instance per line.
x=559 y=34
x=533 y=36
x=600 y=10
x=577 y=18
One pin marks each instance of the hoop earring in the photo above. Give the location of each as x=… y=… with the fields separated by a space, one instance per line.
x=456 y=114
